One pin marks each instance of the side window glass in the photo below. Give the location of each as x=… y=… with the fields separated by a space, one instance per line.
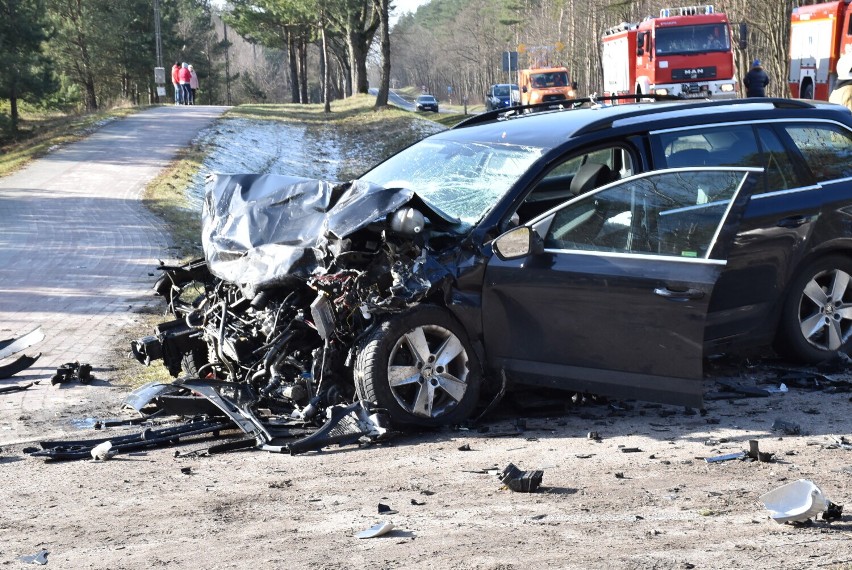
x=826 y=148
x=721 y=146
x=573 y=177
x=669 y=214
x=780 y=173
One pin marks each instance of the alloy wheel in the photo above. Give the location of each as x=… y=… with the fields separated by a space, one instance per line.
x=428 y=371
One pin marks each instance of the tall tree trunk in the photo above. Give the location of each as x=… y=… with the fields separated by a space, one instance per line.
x=13 y=105
x=358 y=61
x=303 y=69
x=384 y=27
x=293 y=59
x=325 y=71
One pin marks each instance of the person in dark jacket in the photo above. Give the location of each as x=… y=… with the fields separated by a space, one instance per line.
x=756 y=80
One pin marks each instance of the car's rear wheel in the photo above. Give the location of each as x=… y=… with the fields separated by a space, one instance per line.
x=420 y=367
x=816 y=322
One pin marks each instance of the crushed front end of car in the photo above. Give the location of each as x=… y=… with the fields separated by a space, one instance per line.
x=299 y=279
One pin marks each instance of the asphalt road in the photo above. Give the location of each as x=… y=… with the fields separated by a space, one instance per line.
x=77 y=247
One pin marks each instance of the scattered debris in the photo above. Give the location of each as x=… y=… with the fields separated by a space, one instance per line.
x=730 y=389
x=103 y=451
x=593 y=435
x=728 y=457
x=787 y=428
x=521 y=481
x=832 y=512
x=376 y=530
x=841 y=442
x=465 y=447
x=82 y=449
x=755 y=453
x=18 y=365
x=630 y=450
x=37 y=558
x=16 y=388
x=72 y=371
x=12 y=346
x=186 y=470
x=417 y=503
x=798 y=501
x=386 y=510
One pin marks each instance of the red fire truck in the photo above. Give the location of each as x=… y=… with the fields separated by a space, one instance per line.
x=685 y=52
x=820 y=49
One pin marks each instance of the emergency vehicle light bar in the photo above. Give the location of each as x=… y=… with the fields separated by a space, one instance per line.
x=619 y=28
x=687 y=11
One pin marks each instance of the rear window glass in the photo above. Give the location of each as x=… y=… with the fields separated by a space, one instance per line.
x=722 y=146
x=827 y=150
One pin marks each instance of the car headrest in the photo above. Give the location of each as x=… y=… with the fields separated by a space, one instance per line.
x=590 y=176
x=688 y=157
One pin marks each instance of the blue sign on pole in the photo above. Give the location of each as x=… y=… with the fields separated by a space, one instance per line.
x=510 y=61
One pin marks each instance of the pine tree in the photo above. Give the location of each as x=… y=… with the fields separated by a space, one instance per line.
x=26 y=73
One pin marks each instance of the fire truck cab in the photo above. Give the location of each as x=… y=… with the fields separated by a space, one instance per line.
x=820 y=49
x=684 y=52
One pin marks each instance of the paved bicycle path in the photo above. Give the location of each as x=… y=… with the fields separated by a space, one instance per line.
x=77 y=249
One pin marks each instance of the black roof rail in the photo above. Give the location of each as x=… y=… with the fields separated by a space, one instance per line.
x=568 y=104
x=777 y=102
x=560 y=105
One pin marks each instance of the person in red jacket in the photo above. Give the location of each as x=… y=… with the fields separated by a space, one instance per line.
x=176 y=82
x=185 y=76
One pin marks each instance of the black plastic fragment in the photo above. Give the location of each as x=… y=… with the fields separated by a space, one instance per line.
x=15 y=388
x=148 y=438
x=521 y=481
x=18 y=365
x=832 y=512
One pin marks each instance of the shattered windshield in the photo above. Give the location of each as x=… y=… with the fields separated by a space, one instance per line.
x=462 y=179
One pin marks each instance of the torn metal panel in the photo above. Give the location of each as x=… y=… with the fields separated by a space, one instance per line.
x=11 y=346
x=18 y=365
x=236 y=401
x=145 y=394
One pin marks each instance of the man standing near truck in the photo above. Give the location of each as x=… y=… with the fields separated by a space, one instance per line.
x=756 y=80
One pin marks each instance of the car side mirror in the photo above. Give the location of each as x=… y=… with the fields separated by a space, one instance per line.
x=518 y=242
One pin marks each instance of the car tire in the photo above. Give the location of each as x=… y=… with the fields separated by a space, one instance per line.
x=404 y=368
x=816 y=319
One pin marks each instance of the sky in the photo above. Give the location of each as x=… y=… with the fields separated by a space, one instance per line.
x=403 y=6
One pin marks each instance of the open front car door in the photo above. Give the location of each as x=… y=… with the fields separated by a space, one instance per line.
x=608 y=293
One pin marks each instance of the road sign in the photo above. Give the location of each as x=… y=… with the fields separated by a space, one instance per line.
x=510 y=61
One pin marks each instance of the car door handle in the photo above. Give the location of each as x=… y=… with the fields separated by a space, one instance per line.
x=687 y=295
x=793 y=221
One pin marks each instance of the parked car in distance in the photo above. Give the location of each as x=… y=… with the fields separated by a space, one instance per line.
x=426 y=103
x=501 y=96
x=600 y=249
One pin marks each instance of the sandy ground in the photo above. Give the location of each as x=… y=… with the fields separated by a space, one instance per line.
x=640 y=496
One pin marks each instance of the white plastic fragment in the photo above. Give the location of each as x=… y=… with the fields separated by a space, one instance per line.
x=102 y=451
x=794 y=502
x=376 y=530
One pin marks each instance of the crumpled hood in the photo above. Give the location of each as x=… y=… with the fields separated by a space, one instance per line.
x=259 y=229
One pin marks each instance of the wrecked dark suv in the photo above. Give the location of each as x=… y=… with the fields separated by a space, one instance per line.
x=599 y=249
